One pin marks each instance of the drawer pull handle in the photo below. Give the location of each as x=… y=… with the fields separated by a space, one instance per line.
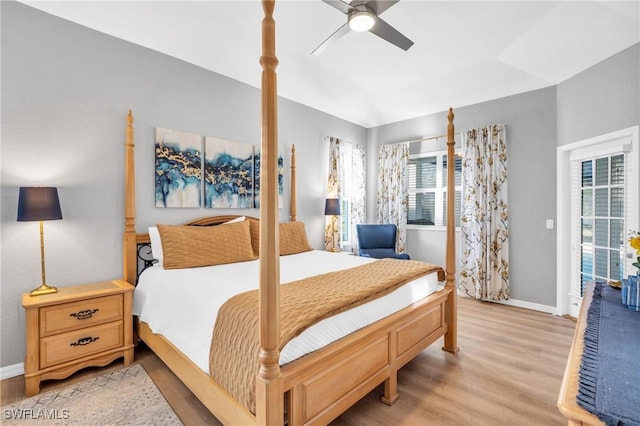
x=82 y=315
x=84 y=341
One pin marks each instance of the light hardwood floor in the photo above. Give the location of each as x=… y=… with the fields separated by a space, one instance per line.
x=508 y=372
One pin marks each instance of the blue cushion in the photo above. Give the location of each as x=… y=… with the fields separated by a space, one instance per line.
x=378 y=241
x=376 y=236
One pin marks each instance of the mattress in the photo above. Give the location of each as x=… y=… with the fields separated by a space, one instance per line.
x=182 y=304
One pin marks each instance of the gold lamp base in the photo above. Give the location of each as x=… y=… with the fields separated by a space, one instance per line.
x=43 y=289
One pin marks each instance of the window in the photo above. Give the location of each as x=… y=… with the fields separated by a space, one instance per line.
x=345 y=198
x=428 y=189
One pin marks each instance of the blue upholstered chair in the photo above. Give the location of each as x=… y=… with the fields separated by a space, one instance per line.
x=378 y=241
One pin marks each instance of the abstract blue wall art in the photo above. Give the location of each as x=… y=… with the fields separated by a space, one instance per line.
x=228 y=174
x=256 y=173
x=178 y=168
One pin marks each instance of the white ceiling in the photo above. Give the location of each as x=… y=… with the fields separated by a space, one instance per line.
x=464 y=52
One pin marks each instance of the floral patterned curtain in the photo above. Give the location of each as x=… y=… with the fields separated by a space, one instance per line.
x=484 y=269
x=335 y=188
x=332 y=225
x=393 y=189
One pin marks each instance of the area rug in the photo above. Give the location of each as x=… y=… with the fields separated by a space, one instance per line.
x=124 y=397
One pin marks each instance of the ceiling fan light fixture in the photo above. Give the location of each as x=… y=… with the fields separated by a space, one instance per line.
x=362 y=19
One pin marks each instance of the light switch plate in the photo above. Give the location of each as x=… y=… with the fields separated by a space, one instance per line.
x=549 y=223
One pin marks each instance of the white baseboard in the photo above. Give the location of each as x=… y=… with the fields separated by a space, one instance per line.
x=529 y=305
x=11 y=371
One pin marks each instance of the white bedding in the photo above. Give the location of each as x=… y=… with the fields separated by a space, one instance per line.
x=182 y=304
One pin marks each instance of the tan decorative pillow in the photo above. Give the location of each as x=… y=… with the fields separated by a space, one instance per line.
x=194 y=246
x=293 y=238
x=254 y=227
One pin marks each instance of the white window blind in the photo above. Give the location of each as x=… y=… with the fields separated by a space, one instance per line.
x=427 y=176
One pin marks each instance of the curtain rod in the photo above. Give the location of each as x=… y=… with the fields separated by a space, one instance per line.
x=435 y=137
x=430 y=138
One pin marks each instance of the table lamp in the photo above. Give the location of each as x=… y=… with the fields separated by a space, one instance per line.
x=332 y=208
x=39 y=204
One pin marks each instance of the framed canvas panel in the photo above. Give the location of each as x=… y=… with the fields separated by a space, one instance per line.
x=228 y=174
x=178 y=173
x=256 y=173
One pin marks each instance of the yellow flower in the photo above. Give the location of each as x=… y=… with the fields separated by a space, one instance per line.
x=635 y=243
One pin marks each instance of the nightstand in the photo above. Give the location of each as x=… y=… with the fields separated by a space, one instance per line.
x=77 y=327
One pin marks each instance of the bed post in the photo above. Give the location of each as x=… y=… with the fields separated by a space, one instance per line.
x=451 y=338
x=269 y=385
x=293 y=210
x=129 y=261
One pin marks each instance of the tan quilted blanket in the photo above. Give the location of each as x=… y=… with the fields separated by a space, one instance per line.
x=233 y=358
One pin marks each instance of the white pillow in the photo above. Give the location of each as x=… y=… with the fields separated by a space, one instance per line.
x=156 y=244
x=237 y=219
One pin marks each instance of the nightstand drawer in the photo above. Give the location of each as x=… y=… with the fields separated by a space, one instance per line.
x=84 y=313
x=77 y=344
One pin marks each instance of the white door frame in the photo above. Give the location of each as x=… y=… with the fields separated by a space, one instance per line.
x=563 y=203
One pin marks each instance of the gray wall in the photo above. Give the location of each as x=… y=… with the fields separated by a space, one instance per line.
x=531 y=147
x=601 y=99
x=65 y=93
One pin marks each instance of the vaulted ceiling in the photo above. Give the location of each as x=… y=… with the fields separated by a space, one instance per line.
x=465 y=52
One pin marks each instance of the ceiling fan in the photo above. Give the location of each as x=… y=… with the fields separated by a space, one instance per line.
x=364 y=15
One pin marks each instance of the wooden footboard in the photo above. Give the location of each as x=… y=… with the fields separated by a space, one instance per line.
x=324 y=384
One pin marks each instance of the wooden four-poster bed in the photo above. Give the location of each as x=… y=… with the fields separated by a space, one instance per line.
x=319 y=386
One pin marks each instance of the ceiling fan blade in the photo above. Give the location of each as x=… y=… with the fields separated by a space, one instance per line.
x=379 y=6
x=393 y=36
x=333 y=37
x=343 y=7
